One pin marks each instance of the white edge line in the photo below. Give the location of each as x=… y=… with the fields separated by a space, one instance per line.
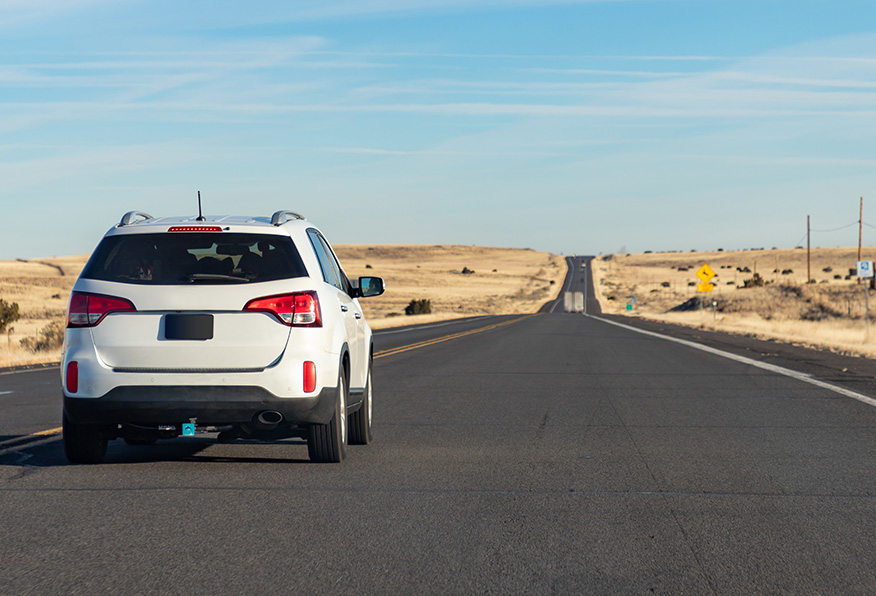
x=6 y=392
x=806 y=378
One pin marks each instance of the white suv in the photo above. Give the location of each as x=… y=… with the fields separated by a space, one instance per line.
x=246 y=326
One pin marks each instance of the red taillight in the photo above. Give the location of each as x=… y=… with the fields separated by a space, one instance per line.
x=299 y=310
x=309 y=377
x=194 y=229
x=87 y=310
x=72 y=377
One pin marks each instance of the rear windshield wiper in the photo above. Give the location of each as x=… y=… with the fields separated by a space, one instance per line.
x=216 y=277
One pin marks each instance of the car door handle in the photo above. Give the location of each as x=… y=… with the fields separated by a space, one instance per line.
x=344 y=308
x=358 y=315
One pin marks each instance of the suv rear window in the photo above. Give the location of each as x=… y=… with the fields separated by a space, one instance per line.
x=194 y=258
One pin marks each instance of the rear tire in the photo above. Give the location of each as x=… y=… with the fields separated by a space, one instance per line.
x=327 y=443
x=360 y=420
x=84 y=443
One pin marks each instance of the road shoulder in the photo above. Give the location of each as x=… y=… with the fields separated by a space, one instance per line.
x=852 y=372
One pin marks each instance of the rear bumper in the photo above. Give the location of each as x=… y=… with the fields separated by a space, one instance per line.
x=152 y=406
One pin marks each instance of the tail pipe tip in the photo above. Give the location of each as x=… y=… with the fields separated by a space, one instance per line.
x=269 y=418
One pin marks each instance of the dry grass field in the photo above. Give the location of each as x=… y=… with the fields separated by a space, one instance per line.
x=827 y=313
x=504 y=281
x=41 y=288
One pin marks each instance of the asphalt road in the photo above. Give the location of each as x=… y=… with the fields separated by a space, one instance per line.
x=553 y=454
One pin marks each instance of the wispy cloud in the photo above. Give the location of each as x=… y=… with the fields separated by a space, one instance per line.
x=647 y=74
x=731 y=109
x=14 y=13
x=346 y=8
x=435 y=152
x=95 y=163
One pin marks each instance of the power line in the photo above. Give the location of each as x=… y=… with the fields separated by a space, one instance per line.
x=854 y=223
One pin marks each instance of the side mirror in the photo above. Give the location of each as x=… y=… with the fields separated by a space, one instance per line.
x=370 y=286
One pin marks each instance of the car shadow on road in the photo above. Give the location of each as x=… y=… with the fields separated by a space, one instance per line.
x=50 y=453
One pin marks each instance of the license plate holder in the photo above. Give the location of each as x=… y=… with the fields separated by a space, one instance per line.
x=188 y=327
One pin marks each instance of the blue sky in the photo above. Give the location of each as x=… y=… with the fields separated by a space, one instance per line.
x=567 y=126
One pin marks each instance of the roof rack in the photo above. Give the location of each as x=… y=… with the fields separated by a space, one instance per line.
x=281 y=217
x=130 y=215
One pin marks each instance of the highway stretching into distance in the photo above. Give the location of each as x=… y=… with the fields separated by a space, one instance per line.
x=543 y=454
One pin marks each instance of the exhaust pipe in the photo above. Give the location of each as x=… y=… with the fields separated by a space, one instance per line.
x=269 y=419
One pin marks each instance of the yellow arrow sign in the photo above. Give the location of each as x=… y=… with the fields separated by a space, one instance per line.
x=705 y=273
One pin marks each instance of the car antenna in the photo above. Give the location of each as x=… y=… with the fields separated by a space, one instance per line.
x=200 y=215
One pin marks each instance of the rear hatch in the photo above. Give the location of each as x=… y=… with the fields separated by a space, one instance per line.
x=189 y=290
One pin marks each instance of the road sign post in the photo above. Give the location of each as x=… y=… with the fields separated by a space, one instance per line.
x=865 y=271
x=705 y=273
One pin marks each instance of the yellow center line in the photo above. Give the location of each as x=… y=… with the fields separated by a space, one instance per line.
x=27 y=438
x=51 y=431
x=438 y=340
x=422 y=344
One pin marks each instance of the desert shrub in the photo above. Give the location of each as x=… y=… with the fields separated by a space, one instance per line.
x=755 y=281
x=419 y=307
x=467 y=271
x=665 y=284
x=827 y=269
x=9 y=313
x=51 y=336
x=368 y=267
x=789 y=290
x=818 y=312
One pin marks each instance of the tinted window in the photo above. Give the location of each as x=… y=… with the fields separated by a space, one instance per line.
x=325 y=263
x=183 y=258
x=342 y=277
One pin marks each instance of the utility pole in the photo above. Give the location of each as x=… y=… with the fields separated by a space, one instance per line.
x=808 y=258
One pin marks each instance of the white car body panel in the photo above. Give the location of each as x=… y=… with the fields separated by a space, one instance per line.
x=242 y=340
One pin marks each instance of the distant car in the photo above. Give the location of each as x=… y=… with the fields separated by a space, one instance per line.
x=246 y=326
